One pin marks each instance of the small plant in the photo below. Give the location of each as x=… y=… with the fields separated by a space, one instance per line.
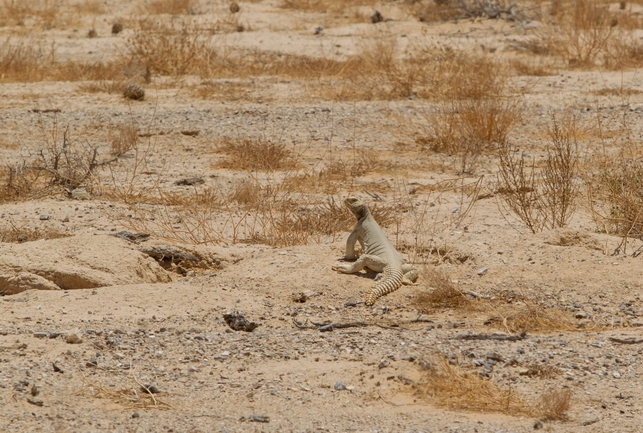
x=176 y=49
x=64 y=160
x=446 y=384
x=555 y=403
x=256 y=154
x=585 y=33
x=475 y=112
x=123 y=138
x=443 y=295
x=172 y=7
x=542 y=197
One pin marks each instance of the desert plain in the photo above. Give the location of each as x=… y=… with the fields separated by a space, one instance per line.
x=169 y=164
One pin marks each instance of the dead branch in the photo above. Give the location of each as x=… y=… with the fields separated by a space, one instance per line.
x=626 y=340
x=497 y=337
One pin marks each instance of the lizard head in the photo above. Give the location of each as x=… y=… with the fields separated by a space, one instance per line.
x=357 y=206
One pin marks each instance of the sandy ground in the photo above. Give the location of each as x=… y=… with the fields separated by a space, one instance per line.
x=75 y=360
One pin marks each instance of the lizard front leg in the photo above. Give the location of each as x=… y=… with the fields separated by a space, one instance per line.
x=350 y=246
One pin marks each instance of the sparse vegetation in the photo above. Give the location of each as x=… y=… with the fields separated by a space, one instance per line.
x=377 y=105
x=443 y=294
x=542 y=197
x=555 y=403
x=446 y=384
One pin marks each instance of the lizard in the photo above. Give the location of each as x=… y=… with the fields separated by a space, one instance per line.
x=378 y=254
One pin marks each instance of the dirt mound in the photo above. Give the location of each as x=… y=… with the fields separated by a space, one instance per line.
x=569 y=238
x=79 y=262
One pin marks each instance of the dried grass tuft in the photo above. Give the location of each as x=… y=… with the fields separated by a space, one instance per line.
x=554 y=404
x=448 y=385
x=531 y=317
x=134 y=396
x=18 y=235
x=444 y=294
x=256 y=154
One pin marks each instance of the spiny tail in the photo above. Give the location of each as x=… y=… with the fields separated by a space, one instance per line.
x=391 y=282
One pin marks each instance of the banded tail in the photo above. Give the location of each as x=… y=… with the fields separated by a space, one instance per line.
x=391 y=282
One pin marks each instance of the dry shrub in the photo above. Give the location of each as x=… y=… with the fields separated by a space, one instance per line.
x=132 y=395
x=123 y=137
x=256 y=154
x=65 y=159
x=542 y=197
x=448 y=385
x=190 y=218
x=33 y=60
x=476 y=108
x=438 y=10
x=586 y=33
x=177 y=49
x=529 y=67
x=531 y=317
x=334 y=6
x=554 y=404
x=41 y=13
x=444 y=294
x=24 y=61
x=16 y=234
x=620 y=188
x=377 y=72
x=172 y=7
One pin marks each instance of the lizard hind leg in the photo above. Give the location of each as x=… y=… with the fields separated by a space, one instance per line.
x=371 y=262
x=410 y=274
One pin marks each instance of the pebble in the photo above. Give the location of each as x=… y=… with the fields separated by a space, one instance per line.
x=44 y=217
x=73 y=339
x=339 y=386
x=79 y=194
x=482 y=271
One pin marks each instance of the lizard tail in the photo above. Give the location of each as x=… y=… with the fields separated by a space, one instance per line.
x=391 y=282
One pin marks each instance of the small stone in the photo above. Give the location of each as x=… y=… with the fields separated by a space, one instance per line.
x=319 y=30
x=79 y=194
x=34 y=390
x=589 y=422
x=234 y=7
x=134 y=91
x=150 y=389
x=73 y=339
x=190 y=181
x=538 y=425
x=258 y=418
x=66 y=219
x=339 y=386
x=35 y=402
x=92 y=33
x=581 y=315
x=482 y=271
x=44 y=217
x=237 y=322
x=40 y=334
x=383 y=364
x=616 y=375
x=377 y=17
x=136 y=415
x=117 y=28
